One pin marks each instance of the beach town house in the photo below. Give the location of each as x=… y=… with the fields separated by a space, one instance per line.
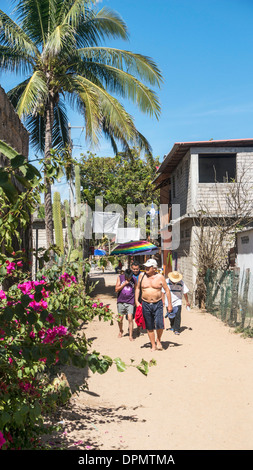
x=207 y=180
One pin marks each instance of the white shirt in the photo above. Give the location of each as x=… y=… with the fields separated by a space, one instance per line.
x=177 y=291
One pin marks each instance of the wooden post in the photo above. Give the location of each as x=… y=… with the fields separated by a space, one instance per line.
x=235 y=293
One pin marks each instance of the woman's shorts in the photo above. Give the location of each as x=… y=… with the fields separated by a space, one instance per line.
x=153 y=315
x=125 y=309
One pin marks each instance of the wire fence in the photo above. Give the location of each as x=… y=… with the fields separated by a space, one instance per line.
x=229 y=296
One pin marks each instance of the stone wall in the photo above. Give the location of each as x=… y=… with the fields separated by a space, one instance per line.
x=12 y=130
x=13 y=133
x=181 y=184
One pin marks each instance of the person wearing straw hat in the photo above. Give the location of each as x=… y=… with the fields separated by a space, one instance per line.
x=177 y=289
x=148 y=293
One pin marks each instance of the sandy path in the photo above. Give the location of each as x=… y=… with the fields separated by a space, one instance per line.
x=198 y=396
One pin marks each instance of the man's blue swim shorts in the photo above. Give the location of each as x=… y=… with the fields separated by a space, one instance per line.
x=153 y=315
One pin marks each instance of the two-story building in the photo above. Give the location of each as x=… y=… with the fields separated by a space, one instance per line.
x=211 y=178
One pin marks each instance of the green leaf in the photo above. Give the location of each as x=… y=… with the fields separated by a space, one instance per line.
x=4 y=176
x=10 y=191
x=19 y=309
x=35 y=411
x=32 y=318
x=25 y=300
x=4 y=418
x=143 y=367
x=93 y=363
x=8 y=151
x=17 y=161
x=8 y=313
x=64 y=356
x=121 y=366
x=79 y=361
x=23 y=181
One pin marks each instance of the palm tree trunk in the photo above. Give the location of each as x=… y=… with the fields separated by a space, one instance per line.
x=47 y=157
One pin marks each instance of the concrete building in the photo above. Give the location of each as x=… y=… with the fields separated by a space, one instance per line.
x=14 y=134
x=199 y=178
x=12 y=130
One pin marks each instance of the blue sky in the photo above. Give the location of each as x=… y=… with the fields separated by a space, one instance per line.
x=204 y=50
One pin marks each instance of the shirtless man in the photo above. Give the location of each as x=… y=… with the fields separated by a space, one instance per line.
x=152 y=304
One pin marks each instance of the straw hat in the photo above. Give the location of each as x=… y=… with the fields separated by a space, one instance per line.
x=175 y=276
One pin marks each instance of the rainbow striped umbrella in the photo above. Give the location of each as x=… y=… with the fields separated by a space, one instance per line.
x=140 y=247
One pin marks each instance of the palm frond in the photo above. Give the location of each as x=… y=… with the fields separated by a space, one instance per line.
x=15 y=93
x=97 y=26
x=111 y=109
x=62 y=37
x=143 y=66
x=73 y=12
x=12 y=60
x=34 y=16
x=84 y=98
x=36 y=126
x=60 y=134
x=116 y=123
x=113 y=135
x=13 y=35
x=33 y=95
x=127 y=86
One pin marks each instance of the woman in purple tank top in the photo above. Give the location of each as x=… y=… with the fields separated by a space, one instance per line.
x=125 y=288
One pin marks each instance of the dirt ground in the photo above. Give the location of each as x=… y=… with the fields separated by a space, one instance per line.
x=197 y=396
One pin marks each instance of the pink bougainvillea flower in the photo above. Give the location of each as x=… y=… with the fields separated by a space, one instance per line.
x=67 y=278
x=38 y=305
x=41 y=334
x=2 y=295
x=2 y=439
x=51 y=334
x=35 y=305
x=19 y=264
x=44 y=293
x=10 y=266
x=9 y=437
x=50 y=318
x=94 y=305
x=28 y=286
x=78 y=443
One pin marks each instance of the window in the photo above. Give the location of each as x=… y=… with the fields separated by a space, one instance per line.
x=214 y=168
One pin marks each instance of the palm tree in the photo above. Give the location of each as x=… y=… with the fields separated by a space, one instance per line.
x=57 y=45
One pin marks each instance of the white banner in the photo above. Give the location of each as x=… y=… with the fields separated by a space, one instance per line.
x=105 y=222
x=128 y=234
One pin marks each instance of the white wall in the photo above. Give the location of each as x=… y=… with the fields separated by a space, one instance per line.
x=244 y=259
x=245 y=250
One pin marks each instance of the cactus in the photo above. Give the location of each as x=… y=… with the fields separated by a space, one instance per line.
x=68 y=224
x=58 y=221
x=78 y=202
x=78 y=184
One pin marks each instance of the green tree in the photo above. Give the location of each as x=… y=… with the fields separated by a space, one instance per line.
x=124 y=179
x=57 y=43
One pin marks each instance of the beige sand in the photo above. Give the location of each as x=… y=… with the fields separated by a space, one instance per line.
x=198 y=396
